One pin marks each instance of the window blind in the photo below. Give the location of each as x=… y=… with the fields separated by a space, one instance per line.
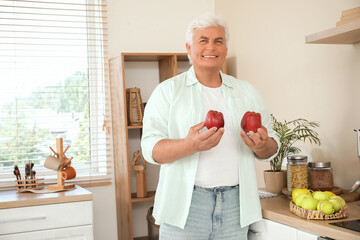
x=54 y=84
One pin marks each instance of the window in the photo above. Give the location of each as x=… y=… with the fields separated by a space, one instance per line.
x=54 y=83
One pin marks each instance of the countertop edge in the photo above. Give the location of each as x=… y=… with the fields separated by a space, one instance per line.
x=13 y=199
x=277 y=209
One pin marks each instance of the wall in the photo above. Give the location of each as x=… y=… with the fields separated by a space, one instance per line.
x=313 y=81
x=151 y=26
x=104 y=214
x=141 y=26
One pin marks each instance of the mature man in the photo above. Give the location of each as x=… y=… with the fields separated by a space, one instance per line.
x=207 y=186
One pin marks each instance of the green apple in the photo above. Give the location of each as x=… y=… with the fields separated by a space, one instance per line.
x=319 y=195
x=338 y=202
x=297 y=191
x=309 y=203
x=326 y=207
x=300 y=198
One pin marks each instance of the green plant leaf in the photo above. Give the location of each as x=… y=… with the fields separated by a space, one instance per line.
x=289 y=132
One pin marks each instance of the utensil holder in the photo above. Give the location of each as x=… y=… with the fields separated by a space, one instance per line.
x=34 y=183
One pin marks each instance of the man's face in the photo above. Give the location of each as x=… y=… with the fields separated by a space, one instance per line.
x=208 y=49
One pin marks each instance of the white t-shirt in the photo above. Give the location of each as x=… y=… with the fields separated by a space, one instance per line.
x=219 y=165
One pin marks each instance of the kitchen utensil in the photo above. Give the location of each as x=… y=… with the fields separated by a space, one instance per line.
x=356 y=186
x=17 y=174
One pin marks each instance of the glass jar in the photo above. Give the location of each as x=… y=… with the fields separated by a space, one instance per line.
x=320 y=176
x=297 y=172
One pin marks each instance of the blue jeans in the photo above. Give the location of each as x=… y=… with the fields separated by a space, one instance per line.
x=213 y=215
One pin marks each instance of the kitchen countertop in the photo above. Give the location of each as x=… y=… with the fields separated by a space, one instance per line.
x=277 y=209
x=13 y=198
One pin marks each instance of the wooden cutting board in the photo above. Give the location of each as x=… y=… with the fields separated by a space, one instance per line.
x=350 y=196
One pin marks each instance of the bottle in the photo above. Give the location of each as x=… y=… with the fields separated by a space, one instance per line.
x=320 y=176
x=297 y=172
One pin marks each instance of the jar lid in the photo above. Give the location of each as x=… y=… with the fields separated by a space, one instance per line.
x=300 y=158
x=319 y=164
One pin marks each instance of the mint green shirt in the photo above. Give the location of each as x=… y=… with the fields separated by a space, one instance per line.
x=176 y=105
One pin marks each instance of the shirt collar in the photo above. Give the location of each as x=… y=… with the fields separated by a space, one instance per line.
x=191 y=78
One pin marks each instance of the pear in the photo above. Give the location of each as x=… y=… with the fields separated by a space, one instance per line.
x=331 y=194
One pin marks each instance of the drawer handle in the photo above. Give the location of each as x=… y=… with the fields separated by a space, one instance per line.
x=23 y=219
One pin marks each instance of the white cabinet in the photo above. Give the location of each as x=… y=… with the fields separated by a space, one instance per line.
x=270 y=230
x=65 y=215
x=301 y=235
x=71 y=233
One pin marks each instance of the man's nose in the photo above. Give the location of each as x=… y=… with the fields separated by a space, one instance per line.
x=210 y=45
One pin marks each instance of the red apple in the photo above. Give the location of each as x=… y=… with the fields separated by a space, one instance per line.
x=251 y=121
x=214 y=119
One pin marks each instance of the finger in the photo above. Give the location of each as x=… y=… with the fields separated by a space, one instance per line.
x=214 y=140
x=218 y=134
x=199 y=126
x=207 y=134
x=246 y=139
x=256 y=137
x=263 y=132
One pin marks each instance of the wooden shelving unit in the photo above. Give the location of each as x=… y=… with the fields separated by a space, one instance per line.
x=168 y=65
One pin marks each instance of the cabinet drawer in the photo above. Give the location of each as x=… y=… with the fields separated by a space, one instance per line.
x=27 y=219
x=73 y=233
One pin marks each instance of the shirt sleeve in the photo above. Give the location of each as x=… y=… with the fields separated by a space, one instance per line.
x=155 y=121
x=266 y=122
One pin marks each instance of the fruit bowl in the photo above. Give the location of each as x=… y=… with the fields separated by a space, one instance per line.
x=316 y=214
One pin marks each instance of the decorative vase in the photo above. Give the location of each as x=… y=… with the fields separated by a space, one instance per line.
x=275 y=181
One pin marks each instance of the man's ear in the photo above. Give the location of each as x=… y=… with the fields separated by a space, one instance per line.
x=188 y=48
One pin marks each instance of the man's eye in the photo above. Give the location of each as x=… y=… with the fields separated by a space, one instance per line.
x=203 y=41
x=219 y=41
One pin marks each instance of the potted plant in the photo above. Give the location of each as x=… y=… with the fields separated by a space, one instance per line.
x=289 y=133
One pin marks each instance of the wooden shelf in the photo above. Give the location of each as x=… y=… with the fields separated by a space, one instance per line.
x=348 y=33
x=134 y=127
x=150 y=197
x=142 y=238
x=145 y=57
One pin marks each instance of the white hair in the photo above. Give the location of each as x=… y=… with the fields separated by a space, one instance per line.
x=205 y=21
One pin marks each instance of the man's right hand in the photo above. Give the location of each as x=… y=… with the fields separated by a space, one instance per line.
x=203 y=141
x=170 y=150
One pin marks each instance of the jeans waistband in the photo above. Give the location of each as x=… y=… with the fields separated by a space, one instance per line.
x=216 y=189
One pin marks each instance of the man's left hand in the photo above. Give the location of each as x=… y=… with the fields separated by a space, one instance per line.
x=260 y=143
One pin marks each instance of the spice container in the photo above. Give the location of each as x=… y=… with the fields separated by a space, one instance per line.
x=297 y=172
x=320 y=176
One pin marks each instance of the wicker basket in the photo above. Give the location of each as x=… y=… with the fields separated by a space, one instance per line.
x=317 y=215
